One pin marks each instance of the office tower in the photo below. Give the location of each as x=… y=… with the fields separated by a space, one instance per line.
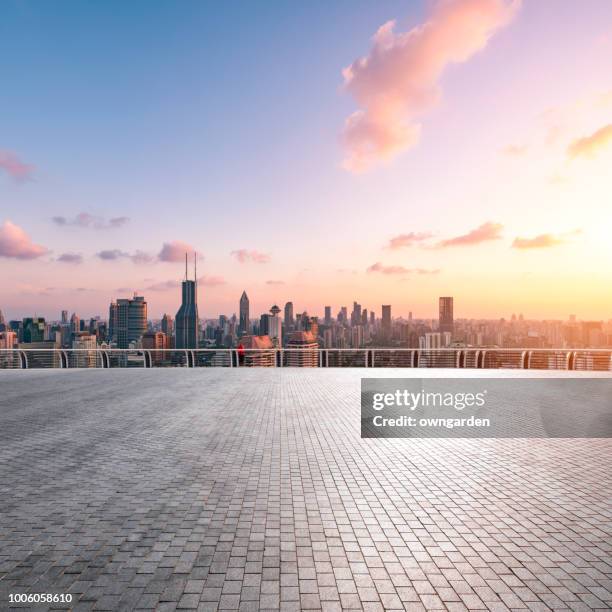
x=446 y=315
x=386 y=322
x=433 y=340
x=127 y=321
x=372 y=318
x=75 y=324
x=187 y=321
x=64 y=317
x=167 y=328
x=167 y=325
x=8 y=339
x=275 y=328
x=33 y=330
x=2 y=321
x=328 y=315
x=112 y=322
x=244 y=328
x=289 y=321
x=410 y=316
x=305 y=353
x=264 y=325
x=356 y=314
x=364 y=317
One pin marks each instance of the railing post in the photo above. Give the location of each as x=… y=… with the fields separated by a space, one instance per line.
x=570 y=360
x=147 y=359
x=23 y=359
x=418 y=358
x=525 y=358
x=372 y=357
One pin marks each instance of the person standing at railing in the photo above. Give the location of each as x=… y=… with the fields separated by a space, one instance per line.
x=240 y=354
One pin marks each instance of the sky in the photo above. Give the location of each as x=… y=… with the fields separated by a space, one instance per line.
x=386 y=152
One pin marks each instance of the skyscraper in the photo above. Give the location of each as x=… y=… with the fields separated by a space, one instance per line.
x=127 y=321
x=328 y=315
x=289 y=322
x=244 y=327
x=386 y=322
x=275 y=326
x=187 y=321
x=446 y=315
x=167 y=327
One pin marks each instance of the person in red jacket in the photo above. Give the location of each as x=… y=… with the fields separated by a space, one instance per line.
x=240 y=354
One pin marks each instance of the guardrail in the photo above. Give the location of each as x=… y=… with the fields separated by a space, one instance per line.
x=530 y=359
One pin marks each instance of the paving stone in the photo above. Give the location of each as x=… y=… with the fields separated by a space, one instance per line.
x=252 y=489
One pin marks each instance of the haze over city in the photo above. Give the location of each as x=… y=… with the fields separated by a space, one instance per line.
x=387 y=152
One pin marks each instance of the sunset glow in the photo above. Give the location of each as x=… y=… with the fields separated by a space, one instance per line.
x=388 y=152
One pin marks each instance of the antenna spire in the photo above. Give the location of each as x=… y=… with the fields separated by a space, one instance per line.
x=185 y=265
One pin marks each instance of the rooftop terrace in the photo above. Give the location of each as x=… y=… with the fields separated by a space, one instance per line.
x=251 y=489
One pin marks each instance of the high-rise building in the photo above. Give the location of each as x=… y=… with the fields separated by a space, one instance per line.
x=244 y=327
x=33 y=330
x=356 y=314
x=328 y=315
x=445 y=323
x=64 y=317
x=264 y=324
x=275 y=328
x=167 y=327
x=304 y=351
x=386 y=322
x=8 y=339
x=127 y=320
x=187 y=322
x=289 y=321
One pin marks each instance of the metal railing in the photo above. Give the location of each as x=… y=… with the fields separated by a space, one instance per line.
x=477 y=358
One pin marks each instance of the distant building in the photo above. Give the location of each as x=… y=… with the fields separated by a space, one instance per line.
x=328 y=316
x=275 y=326
x=33 y=330
x=386 y=323
x=167 y=327
x=8 y=339
x=304 y=351
x=244 y=327
x=445 y=321
x=187 y=322
x=127 y=321
x=156 y=342
x=289 y=321
x=256 y=353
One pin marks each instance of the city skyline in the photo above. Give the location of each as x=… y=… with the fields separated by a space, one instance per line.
x=483 y=178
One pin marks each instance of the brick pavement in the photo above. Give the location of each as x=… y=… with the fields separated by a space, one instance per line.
x=251 y=490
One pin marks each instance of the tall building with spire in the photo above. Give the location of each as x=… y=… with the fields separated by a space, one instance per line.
x=187 y=323
x=244 y=327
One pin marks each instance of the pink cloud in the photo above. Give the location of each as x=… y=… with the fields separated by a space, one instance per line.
x=138 y=257
x=590 y=145
x=211 y=281
x=175 y=251
x=275 y=282
x=71 y=258
x=390 y=270
x=398 y=80
x=90 y=221
x=16 y=244
x=544 y=241
x=487 y=231
x=14 y=167
x=244 y=256
x=407 y=240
